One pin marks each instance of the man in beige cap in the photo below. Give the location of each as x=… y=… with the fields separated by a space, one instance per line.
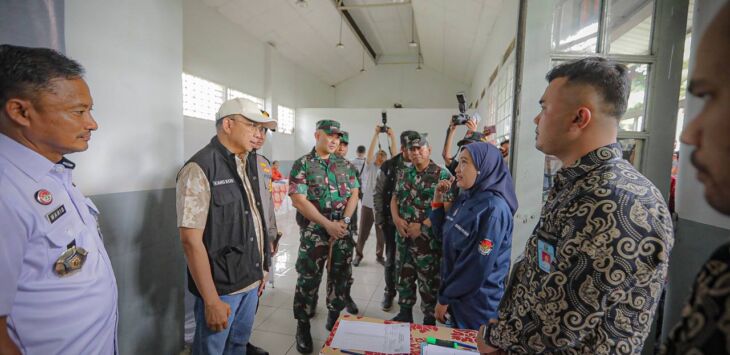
x=222 y=229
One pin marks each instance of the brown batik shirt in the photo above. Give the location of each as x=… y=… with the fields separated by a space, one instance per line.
x=594 y=268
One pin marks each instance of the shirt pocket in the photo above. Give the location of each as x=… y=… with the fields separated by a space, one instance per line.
x=343 y=185
x=59 y=240
x=229 y=205
x=317 y=188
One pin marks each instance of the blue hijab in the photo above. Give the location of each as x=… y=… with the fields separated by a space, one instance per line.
x=492 y=173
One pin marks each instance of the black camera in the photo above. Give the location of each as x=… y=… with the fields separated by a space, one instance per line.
x=462 y=117
x=384 y=127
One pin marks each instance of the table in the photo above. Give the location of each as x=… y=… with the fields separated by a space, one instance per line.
x=419 y=333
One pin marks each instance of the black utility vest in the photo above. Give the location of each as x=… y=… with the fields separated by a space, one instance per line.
x=230 y=232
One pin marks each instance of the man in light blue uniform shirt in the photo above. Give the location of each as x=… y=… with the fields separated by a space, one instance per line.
x=58 y=293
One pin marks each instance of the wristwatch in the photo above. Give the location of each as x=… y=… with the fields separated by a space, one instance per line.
x=347 y=220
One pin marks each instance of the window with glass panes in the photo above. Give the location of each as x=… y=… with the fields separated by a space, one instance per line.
x=232 y=94
x=621 y=30
x=286 y=118
x=500 y=99
x=201 y=98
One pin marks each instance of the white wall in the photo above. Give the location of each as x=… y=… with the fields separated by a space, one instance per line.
x=528 y=164
x=360 y=123
x=503 y=32
x=383 y=85
x=691 y=204
x=132 y=52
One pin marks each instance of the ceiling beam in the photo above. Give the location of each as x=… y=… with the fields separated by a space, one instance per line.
x=356 y=29
x=360 y=6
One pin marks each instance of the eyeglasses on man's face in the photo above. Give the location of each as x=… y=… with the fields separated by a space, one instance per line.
x=251 y=125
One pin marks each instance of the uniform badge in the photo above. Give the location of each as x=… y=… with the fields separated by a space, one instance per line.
x=545 y=255
x=70 y=261
x=485 y=247
x=44 y=197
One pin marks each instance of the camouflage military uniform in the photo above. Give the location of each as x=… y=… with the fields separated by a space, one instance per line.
x=419 y=259
x=327 y=184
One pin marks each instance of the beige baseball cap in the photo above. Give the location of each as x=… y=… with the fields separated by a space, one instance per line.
x=247 y=109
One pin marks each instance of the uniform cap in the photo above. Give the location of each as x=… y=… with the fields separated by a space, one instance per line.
x=329 y=126
x=417 y=140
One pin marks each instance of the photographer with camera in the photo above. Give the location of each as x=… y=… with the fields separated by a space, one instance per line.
x=369 y=178
x=462 y=118
x=449 y=161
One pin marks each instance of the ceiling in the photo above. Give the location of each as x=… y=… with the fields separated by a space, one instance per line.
x=452 y=33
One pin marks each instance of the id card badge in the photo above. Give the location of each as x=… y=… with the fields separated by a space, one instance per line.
x=545 y=255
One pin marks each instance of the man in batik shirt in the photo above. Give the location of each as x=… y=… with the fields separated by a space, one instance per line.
x=419 y=251
x=705 y=324
x=594 y=268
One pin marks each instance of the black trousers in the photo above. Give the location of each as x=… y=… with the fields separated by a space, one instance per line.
x=390 y=248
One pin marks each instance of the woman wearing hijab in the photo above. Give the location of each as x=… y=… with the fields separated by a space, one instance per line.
x=476 y=233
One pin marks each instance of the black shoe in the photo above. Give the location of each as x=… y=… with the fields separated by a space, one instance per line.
x=356 y=260
x=351 y=306
x=380 y=260
x=387 y=303
x=255 y=350
x=331 y=319
x=429 y=320
x=405 y=315
x=303 y=337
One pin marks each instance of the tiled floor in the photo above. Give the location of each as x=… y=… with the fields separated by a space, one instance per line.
x=275 y=325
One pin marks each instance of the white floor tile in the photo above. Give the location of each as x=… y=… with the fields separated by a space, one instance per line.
x=272 y=342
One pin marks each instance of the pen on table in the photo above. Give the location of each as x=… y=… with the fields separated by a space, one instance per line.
x=448 y=343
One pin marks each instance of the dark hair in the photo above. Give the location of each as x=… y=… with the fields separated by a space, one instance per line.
x=275 y=161
x=610 y=79
x=360 y=149
x=506 y=141
x=24 y=70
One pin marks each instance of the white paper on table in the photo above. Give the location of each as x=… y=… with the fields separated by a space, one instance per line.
x=376 y=337
x=430 y=349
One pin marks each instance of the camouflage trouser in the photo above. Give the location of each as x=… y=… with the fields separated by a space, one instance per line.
x=419 y=261
x=311 y=264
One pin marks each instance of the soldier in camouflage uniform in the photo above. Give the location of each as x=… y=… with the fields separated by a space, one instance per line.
x=419 y=251
x=324 y=190
x=341 y=152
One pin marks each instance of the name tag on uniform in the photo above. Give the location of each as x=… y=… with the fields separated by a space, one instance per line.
x=545 y=255
x=56 y=214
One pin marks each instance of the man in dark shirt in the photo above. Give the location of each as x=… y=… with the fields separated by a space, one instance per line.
x=384 y=188
x=595 y=265
x=705 y=324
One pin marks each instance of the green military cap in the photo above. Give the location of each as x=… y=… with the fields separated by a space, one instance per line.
x=474 y=137
x=417 y=140
x=329 y=126
x=344 y=137
x=405 y=136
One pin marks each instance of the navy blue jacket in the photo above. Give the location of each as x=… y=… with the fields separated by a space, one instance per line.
x=477 y=242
